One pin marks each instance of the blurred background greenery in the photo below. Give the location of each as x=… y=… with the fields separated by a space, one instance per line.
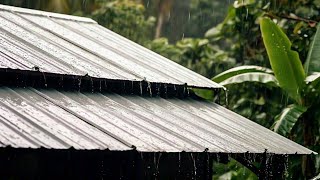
x=209 y=37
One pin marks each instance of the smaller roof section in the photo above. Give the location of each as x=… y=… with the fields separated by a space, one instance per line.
x=33 y=40
x=34 y=118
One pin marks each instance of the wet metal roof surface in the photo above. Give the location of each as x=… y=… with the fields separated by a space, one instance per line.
x=53 y=49
x=34 y=40
x=60 y=119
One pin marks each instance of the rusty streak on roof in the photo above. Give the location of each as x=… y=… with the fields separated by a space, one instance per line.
x=34 y=118
x=39 y=41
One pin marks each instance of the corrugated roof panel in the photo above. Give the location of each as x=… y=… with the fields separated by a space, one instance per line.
x=60 y=119
x=78 y=46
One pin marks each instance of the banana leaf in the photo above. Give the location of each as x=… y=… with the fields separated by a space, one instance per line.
x=312 y=63
x=285 y=62
x=240 y=70
x=285 y=121
x=264 y=78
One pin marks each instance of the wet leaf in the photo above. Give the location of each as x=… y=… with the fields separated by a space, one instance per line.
x=240 y=70
x=204 y=93
x=285 y=62
x=313 y=60
x=285 y=121
x=264 y=78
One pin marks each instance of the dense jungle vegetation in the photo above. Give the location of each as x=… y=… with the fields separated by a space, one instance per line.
x=229 y=42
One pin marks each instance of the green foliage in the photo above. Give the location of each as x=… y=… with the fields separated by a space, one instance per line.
x=313 y=60
x=285 y=63
x=233 y=171
x=290 y=74
x=240 y=70
x=234 y=42
x=285 y=121
x=126 y=18
x=196 y=54
x=258 y=77
x=203 y=15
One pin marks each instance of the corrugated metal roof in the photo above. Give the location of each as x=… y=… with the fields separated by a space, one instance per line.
x=59 y=119
x=72 y=45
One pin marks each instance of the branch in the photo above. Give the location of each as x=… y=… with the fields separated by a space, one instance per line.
x=293 y=17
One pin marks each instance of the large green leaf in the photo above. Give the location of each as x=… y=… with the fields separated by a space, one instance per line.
x=313 y=60
x=240 y=70
x=258 y=77
x=285 y=121
x=285 y=62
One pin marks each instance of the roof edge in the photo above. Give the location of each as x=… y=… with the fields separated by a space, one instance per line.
x=37 y=79
x=45 y=14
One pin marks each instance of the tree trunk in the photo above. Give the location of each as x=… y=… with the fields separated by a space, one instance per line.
x=164 y=11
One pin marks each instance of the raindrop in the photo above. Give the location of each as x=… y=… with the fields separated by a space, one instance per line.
x=179 y=163
x=286 y=173
x=218 y=158
x=92 y=87
x=165 y=89
x=149 y=88
x=226 y=97
x=106 y=85
x=194 y=166
x=247 y=13
x=45 y=80
x=140 y=85
x=158 y=89
x=141 y=155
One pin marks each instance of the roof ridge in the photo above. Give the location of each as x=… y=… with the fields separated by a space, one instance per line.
x=45 y=14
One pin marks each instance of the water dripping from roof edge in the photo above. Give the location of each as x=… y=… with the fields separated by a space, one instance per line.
x=208 y=163
x=218 y=157
x=244 y=171
x=102 y=169
x=194 y=166
x=100 y=86
x=140 y=86
x=165 y=90
x=45 y=79
x=131 y=88
x=158 y=86
x=149 y=89
x=286 y=166
x=92 y=87
x=226 y=97
x=179 y=162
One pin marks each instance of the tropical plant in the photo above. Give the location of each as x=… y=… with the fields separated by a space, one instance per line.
x=196 y=54
x=126 y=18
x=288 y=74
